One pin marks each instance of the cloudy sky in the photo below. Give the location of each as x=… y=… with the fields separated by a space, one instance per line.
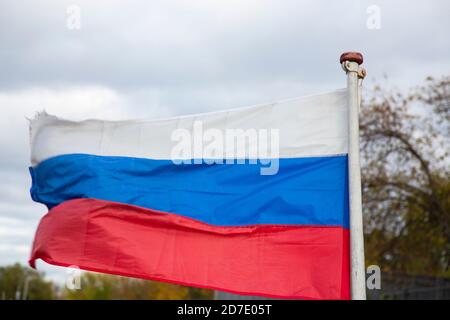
x=151 y=59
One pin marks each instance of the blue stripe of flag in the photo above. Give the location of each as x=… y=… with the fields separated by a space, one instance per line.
x=305 y=191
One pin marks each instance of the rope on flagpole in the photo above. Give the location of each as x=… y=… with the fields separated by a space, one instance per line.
x=351 y=62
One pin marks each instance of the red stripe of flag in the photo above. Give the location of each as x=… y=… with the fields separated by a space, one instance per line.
x=285 y=261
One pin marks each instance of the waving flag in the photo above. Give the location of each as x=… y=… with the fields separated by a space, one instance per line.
x=183 y=200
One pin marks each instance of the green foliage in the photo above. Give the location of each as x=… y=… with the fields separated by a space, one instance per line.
x=18 y=282
x=107 y=287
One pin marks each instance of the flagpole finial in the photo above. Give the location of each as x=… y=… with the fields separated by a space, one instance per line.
x=352 y=56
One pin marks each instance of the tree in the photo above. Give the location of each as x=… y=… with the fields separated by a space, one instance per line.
x=107 y=287
x=18 y=282
x=406 y=178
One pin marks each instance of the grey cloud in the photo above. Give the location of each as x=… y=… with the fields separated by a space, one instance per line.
x=169 y=44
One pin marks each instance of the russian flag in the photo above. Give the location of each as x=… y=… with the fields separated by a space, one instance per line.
x=178 y=200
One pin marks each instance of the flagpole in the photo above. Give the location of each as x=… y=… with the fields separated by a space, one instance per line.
x=351 y=62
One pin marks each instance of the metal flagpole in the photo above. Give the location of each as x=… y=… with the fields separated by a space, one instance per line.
x=351 y=62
